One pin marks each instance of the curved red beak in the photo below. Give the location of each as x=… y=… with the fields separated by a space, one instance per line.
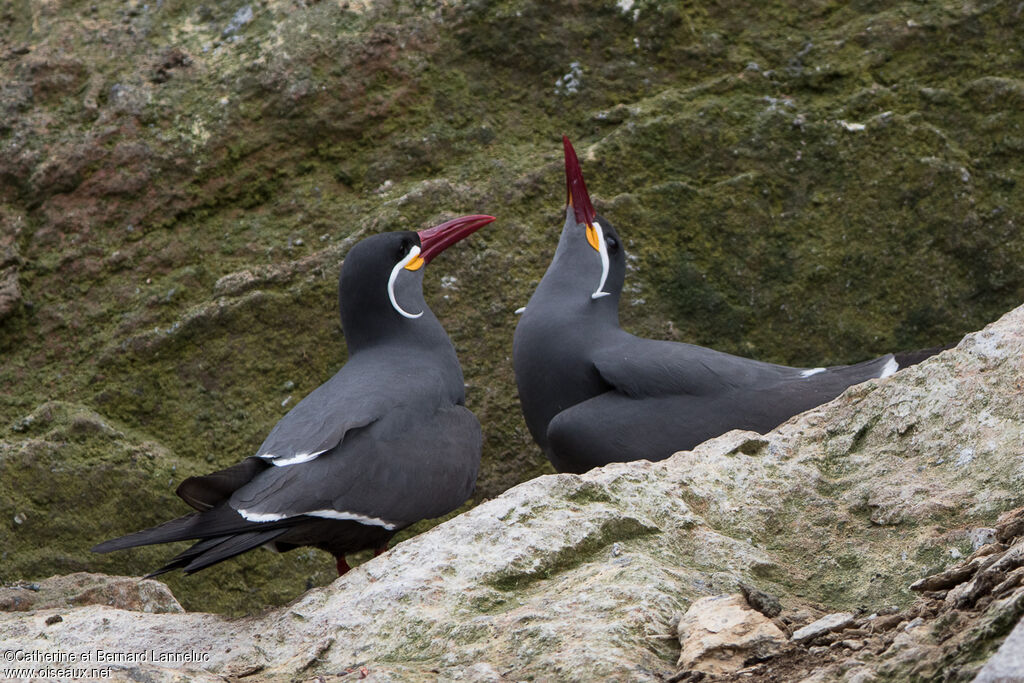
x=575 y=189
x=438 y=238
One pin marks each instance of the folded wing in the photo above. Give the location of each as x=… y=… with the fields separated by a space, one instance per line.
x=400 y=468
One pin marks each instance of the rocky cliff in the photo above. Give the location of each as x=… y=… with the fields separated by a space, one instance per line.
x=901 y=485
x=807 y=183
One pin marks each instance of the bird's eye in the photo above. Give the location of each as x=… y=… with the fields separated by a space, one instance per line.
x=404 y=248
x=613 y=244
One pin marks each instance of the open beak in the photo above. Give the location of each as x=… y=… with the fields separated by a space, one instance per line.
x=575 y=189
x=578 y=199
x=577 y=196
x=438 y=238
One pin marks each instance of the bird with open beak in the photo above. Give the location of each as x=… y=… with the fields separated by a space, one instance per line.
x=592 y=393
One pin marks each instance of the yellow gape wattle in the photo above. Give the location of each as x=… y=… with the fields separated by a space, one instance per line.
x=415 y=264
x=592 y=238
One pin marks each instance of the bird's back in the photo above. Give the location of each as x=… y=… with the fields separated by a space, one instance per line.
x=659 y=397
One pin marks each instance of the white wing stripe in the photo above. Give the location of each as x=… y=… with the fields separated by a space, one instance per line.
x=251 y=516
x=291 y=460
x=891 y=366
x=261 y=516
x=353 y=516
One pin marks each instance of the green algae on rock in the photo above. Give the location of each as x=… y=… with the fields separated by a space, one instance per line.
x=584 y=576
x=805 y=184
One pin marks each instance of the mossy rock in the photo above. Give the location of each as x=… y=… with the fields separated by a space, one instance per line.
x=804 y=184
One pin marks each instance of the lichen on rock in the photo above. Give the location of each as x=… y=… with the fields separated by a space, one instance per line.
x=806 y=196
x=585 y=576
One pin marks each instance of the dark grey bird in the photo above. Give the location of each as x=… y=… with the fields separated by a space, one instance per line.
x=384 y=443
x=592 y=393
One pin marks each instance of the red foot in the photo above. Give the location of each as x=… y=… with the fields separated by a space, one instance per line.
x=381 y=550
x=342 y=565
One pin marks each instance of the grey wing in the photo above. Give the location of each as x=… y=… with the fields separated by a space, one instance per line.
x=349 y=400
x=616 y=426
x=641 y=368
x=403 y=467
x=613 y=427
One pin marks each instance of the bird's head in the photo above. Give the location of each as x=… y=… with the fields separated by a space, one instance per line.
x=380 y=290
x=589 y=244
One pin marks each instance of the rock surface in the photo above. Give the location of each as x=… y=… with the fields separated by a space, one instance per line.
x=932 y=638
x=765 y=603
x=805 y=183
x=10 y=292
x=1007 y=664
x=76 y=590
x=828 y=623
x=718 y=634
x=580 y=577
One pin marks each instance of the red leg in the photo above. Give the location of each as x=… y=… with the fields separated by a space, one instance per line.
x=342 y=565
x=381 y=550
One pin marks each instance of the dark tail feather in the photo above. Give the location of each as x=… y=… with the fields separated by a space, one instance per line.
x=186 y=556
x=229 y=547
x=218 y=522
x=908 y=358
x=179 y=529
x=210 y=551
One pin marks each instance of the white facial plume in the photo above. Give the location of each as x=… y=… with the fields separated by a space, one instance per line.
x=602 y=249
x=413 y=253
